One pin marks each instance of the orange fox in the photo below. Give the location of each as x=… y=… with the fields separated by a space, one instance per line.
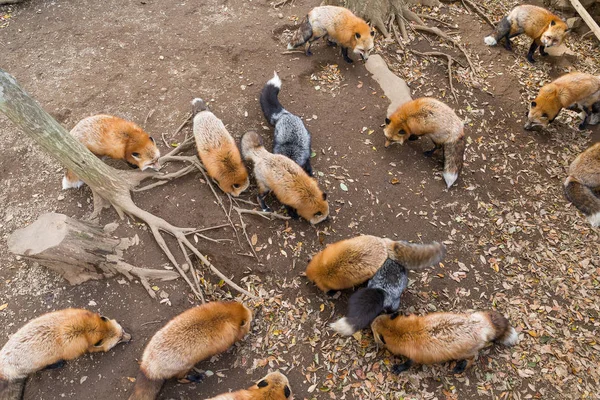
x=105 y=135
x=441 y=337
x=47 y=341
x=339 y=27
x=545 y=28
x=187 y=339
x=574 y=91
x=218 y=151
x=274 y=386
x=582 y=186
x=430 y=117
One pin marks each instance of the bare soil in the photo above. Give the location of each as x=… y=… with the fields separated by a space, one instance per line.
x=513 y=241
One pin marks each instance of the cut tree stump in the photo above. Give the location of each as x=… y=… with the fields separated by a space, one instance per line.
x=79 y=251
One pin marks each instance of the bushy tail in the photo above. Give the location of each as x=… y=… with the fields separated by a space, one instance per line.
x=584 y=199
x=416 y=256
x=198 y=105
x=251 y=143
x=302 y=35
x=502 y=28
x=146 y=388
x=12 y=390
x=269 y=102
x=363 y=307
x=504 y=333
x=454 y=153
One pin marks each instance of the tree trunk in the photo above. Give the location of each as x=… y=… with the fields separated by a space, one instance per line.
x=77 y=250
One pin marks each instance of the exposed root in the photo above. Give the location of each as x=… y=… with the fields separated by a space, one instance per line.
x=473 y=6
x=438 y=32
x=450 y=60
x=439 y=21
x=267 y=215
x=282 y=3
x=187 y=119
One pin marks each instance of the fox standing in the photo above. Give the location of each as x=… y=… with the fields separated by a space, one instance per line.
x=218 y=151
x=441 y=337
x=545 y=28
x=574 y=91
x=430 y=117
x=339 y=26
x=582 y=186
x=192 y=336
x=105 y=135
x=291 y=137
x=288 y=181
x=47 y=341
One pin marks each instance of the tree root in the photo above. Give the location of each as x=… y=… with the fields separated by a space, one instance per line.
x=438 y=32
x=450 y=60
x=469 y=4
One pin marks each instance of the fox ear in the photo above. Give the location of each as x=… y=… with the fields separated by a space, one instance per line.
x=372 y=33
x=324 y=196
x=357 y=35
x=387 y=121
x=533 y=104
x=552 y=23
x=152 y=139
x=286 y=391
x=394 y=315
x=262 y=383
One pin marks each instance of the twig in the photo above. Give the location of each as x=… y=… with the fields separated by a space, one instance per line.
x=246 y=234
x=164 y=178
x=292 y=52
x=148 y=116
x=437 y=31
x=151 y=322
x=438 y=20
x=193 y=271
x=210 y=228
x=450 y=60
x=187 y=119
x=282 y=3
x=478 y=11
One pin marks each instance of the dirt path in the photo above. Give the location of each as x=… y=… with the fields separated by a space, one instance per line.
x=513 y=242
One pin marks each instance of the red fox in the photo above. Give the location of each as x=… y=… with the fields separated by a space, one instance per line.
x=430 y=117
x=441 y=337
x=274 y=386
x=218 y=151
x=350 y=262
x=340 y=27
x=105 y=135
x=545 y=28
x=574 y=91
x=288 y=181
x=49 y=340
x=582 y=186
x=192 y=336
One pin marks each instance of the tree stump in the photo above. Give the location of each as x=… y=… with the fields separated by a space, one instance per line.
x=78 y=251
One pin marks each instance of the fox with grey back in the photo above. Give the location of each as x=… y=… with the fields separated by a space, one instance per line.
x=291 y=138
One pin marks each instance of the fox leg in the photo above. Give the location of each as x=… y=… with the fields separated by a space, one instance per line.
x=58 y=364
x=462 y=365
x=190 y=376
x=302 y=35
x=345 y=55
x=586 y=118
x=261 y=201
x=429 y=153
x=292 y=212
x=502 y=31
x=399 y=368
x=532 y=50
x=543 y=50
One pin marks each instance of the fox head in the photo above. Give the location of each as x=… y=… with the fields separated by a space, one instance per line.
x=363 y=39
x=142 y=152
x=392 y=133
x=110 y=333
x=544 y=108
x=555 y=33
x=315 y=210
x=229 y=173
x=273 y=386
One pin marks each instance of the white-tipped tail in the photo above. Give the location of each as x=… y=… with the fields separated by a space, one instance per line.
x=275 y=81
x=342 y=327
x=512 y=338
x=490 y=41
x=594 y=220
x=66 y=184
x=450 y=178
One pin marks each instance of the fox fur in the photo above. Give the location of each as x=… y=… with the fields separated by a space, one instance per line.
x=291 y=137
x=582 y=186
x=576 y=90
x=440 y=337
x=51 y=339
x=350 y=262
x=108 y=136
x=288 y=181
x=382 y=294
x=218 y=151
x=430 y=117
x=339 y=26
x=274 y=386
x=545 y=28
x=192 y=336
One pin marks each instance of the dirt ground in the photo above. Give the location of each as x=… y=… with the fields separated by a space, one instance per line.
x=513 y=241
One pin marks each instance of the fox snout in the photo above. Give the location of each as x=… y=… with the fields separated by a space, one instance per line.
x=387 y=143
x=125 y=337
x=532 y=126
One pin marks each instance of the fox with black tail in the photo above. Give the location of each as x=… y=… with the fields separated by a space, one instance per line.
x=383 y=291
x=582 y=186
x=291 y=137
